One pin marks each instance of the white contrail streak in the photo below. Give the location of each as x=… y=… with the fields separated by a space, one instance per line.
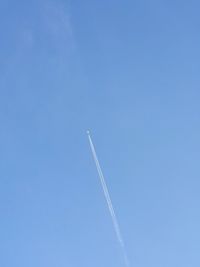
x=109 y=202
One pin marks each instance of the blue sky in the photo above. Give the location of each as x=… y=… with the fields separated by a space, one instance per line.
x=129 y=72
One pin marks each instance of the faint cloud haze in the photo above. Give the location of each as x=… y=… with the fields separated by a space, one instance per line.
x=57 y=20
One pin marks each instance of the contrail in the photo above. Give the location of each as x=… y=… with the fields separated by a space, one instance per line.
x=109 y=202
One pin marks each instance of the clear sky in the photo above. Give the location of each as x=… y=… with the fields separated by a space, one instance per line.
x=128 y=71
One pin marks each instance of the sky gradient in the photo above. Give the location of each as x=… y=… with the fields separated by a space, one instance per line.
x=129 y=72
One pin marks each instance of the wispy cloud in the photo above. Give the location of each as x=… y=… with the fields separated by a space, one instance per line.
x=57 y=20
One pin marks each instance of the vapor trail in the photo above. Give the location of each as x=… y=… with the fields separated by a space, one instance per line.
x=109 y=202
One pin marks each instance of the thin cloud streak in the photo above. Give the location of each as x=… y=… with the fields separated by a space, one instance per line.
x=109 y=203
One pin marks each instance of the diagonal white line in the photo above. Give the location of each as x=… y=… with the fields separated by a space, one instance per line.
x=109 y=202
